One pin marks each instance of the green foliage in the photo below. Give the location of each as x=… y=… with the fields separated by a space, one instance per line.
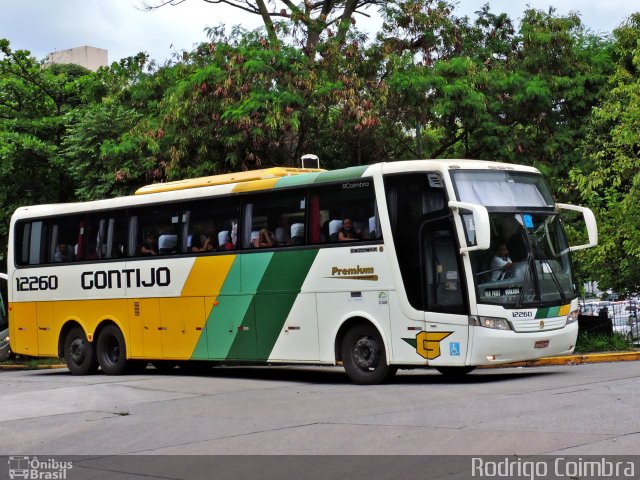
x=33 y=104
x=592 y=343
x=546 y=93
x=608 y=179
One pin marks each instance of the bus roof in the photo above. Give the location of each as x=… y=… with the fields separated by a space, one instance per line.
x=225 y=178
x=267 y=178
x=260 y=180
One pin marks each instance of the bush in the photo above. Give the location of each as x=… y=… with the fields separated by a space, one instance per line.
x=590 y=343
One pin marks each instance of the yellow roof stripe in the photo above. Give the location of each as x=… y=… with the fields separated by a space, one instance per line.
x=226 y=178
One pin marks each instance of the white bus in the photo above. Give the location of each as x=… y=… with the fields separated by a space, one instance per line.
x=377 y=267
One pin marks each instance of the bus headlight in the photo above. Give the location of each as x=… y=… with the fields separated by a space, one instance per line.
x=572 y=317
x=495 y=322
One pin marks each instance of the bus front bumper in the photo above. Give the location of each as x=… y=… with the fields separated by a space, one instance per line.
x=491 y=347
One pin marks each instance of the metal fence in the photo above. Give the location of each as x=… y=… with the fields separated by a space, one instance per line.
x=623 y=318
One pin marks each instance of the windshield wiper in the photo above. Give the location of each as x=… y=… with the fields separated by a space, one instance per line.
x=544 y=261
x=525 y=280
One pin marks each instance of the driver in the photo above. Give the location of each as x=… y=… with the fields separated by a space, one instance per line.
x=501 y=263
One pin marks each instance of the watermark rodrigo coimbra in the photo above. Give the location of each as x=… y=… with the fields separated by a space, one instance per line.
x=558 y=467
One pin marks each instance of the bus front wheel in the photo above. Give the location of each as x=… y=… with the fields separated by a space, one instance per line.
x=112 y=352
x=364 y=356
x=79 y=353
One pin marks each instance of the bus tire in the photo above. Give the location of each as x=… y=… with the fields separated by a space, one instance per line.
x=79 y=353
x=112 y=351
x=364 y=357
x=455 y=372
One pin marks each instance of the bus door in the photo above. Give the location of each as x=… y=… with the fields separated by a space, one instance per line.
x=427 y=252
x=444 y=292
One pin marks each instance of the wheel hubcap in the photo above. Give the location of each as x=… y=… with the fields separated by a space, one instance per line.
x=77 y=350
x=365 y=353
x=113 y=350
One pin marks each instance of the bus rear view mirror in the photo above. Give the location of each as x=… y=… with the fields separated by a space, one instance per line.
x=590 y=222
x=479 y=224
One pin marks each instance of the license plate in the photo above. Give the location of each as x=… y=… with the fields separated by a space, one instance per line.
x=541 y=344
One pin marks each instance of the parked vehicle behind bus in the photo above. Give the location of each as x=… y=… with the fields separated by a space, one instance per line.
x=4 y=324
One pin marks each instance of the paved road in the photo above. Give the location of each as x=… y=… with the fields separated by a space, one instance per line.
x=559 y=410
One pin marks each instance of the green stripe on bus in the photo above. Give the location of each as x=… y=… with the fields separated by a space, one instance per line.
x=254 y=265
x=244 y=343
x=553 y=312
x=548 y=312
x=411 y=341
x=339 y=175
x=277 y=293
x=296 y=180
x=233 y=315
x=542 y=313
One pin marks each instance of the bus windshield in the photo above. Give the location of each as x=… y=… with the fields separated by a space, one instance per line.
x=529 y=263
x=502 y=188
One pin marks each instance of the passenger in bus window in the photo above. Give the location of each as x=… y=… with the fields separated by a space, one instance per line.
x=150 y=245
x=204 y=242
x=347 y=232
x=266 y=238
x=62 y=254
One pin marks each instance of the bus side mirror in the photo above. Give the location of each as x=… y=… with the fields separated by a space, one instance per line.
x=479 y=224
x=590 y=222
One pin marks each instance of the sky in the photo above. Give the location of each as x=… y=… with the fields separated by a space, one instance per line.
x=124 y=28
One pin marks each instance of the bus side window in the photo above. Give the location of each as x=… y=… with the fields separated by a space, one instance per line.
x=353 y=200
x=275 y=220
x=31 y=243
x=104 y=236
x=157 y=230
x=66 y=243
x=210 y=226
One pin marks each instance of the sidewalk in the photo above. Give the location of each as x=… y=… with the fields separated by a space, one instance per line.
x=576 y=359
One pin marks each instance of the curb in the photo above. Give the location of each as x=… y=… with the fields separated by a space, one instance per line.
x=17 y=366
x=574 y=360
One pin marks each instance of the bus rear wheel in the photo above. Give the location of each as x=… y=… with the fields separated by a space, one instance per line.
x=364 y=356
x=112 y=351
x=79 y=353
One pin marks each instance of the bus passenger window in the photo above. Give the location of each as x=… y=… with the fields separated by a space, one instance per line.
x=342 y=212
x=31 y=242
x=105 y=235
x=67 y=239
x=210 y=225
x=275 y=220
x=156 y=230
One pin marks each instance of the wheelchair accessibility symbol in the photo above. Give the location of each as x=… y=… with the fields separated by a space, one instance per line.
x=454 y=349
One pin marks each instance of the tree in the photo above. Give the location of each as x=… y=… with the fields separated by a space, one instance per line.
x=609 y=179
x=312 y=20
x=33 y=103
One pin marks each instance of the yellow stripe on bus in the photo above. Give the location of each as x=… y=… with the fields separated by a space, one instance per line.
x=207 y=276
x=564 y=310
x=256 y=185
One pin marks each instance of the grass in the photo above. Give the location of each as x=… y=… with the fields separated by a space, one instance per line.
x=30 y=363
x=592 y=343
